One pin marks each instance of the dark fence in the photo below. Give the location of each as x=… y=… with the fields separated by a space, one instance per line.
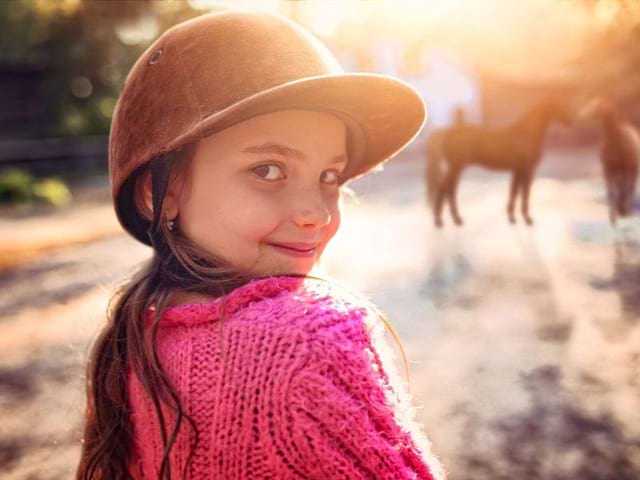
x=66 y=157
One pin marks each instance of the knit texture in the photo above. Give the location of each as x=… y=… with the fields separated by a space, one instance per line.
x=283 y=380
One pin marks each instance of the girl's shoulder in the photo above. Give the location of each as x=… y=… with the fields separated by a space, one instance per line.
x=310 y=302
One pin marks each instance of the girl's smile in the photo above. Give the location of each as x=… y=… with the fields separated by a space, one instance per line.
x=264 y=194
x=303 y=250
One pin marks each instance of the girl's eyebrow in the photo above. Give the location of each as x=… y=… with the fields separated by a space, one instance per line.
x=285 y=151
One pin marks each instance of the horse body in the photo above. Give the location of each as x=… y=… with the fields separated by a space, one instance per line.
x=516 y=148
x=495 y=150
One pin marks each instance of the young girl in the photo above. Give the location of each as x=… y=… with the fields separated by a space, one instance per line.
x=223 y=359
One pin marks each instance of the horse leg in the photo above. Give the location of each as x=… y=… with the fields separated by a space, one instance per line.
x=526 y=190
x=628 y=192
x=516 y=179
x=453 y=193
x=611 y=199
x=438 y=204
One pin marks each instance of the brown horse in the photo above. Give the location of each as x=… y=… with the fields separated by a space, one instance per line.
x=619 y=156
x=516 y=148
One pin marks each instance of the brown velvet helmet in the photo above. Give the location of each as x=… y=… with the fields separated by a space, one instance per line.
x=217 y=69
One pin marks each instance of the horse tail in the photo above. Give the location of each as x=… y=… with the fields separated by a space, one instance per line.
x=434 y=166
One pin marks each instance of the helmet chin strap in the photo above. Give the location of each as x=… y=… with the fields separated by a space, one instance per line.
x=160 y=169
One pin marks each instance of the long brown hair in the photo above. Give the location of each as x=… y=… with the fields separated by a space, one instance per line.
x=127 y=343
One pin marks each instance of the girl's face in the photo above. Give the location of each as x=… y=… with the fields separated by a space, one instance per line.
x=263 y=194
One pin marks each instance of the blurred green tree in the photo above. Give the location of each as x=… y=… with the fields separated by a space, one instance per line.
x=84 y=49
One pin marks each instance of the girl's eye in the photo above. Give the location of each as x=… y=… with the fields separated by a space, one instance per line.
x=273 y=172
x=269 y=171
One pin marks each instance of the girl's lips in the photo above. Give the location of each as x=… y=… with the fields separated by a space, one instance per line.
x=296 y=249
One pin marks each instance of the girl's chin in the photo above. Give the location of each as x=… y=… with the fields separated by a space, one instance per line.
x=294 y=268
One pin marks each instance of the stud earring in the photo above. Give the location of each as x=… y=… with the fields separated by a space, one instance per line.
x=170 y=225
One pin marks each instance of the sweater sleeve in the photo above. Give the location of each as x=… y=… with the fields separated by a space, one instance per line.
x=344 y=414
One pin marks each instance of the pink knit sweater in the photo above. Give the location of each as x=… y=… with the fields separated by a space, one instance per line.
x=287 y=385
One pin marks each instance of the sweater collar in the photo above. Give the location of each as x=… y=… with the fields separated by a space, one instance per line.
x=212 y=310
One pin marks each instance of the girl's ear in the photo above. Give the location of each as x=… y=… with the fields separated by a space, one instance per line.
x=171 y=205
x=144 y=197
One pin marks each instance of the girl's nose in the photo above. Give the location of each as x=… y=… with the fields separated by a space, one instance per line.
x=311 y=212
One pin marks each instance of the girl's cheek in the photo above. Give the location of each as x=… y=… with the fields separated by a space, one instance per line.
x=266 y=218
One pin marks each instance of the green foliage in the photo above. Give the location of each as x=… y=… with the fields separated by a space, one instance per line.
x=84 y=49
x=53 y=191
x=20 y=187
x=15 y=186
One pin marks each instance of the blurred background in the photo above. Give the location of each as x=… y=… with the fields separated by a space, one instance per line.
x=523 y=341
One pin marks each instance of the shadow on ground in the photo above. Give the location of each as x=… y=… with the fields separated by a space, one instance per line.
x=555 y=439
